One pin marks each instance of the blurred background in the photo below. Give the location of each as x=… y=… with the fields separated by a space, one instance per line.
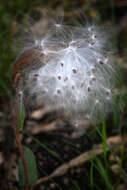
x=53 y=140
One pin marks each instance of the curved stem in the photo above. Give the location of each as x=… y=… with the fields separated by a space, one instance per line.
x=19 y=144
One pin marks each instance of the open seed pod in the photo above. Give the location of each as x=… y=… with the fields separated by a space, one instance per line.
x=69 y=69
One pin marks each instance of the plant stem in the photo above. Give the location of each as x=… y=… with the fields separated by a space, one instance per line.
x=19 y=144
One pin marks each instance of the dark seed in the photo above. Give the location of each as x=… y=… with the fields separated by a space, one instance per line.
x=101 y=62
x=62 y=64
x=91 y=29
x=92 y=43
x=36 y=75
x=42 y=54
x=95 y=36
x=59 y=77
x=93 y=78
x=93 y=70
x=74 y=70
x=89 y=89
x=107 y=93
x=58 y=91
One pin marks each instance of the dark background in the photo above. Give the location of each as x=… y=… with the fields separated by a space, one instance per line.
x=61 y=140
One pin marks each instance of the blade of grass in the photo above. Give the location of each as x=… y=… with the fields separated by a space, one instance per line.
x=75 y=185
x=53 y=153
x=104 y=139
x=91 y=172
x=103 y=174
x=52 y=180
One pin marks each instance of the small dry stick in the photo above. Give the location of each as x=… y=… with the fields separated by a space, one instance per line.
x=113 y=143
x=16 y=119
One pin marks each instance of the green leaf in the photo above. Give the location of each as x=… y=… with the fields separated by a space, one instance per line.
x=31 y=167
x=21 y=117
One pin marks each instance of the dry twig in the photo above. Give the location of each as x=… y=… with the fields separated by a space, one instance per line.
x=113 y=143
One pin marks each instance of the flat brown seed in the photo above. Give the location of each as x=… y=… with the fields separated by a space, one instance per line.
x=74 y=70
x=96 y=36
x=42 y=54
x=92 y=43
x=89 y=89
x=107 y=93
x=93 y=70
x=36 y=75
x=58 y=91
x=91 y=29
x=93 y=78
x=59 y=77
x=101 y=62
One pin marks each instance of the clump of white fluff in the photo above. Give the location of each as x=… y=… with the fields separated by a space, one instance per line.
x=76 y=74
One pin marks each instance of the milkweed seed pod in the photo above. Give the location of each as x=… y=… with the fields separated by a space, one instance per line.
x=69 y=68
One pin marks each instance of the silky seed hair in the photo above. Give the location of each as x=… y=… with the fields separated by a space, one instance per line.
x=72 y=71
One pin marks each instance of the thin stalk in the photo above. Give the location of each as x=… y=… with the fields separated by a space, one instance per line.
x=19 y=144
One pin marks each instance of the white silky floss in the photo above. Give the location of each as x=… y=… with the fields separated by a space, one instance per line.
x=77 y=75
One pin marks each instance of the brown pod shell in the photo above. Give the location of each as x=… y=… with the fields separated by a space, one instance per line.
x=26 y=59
